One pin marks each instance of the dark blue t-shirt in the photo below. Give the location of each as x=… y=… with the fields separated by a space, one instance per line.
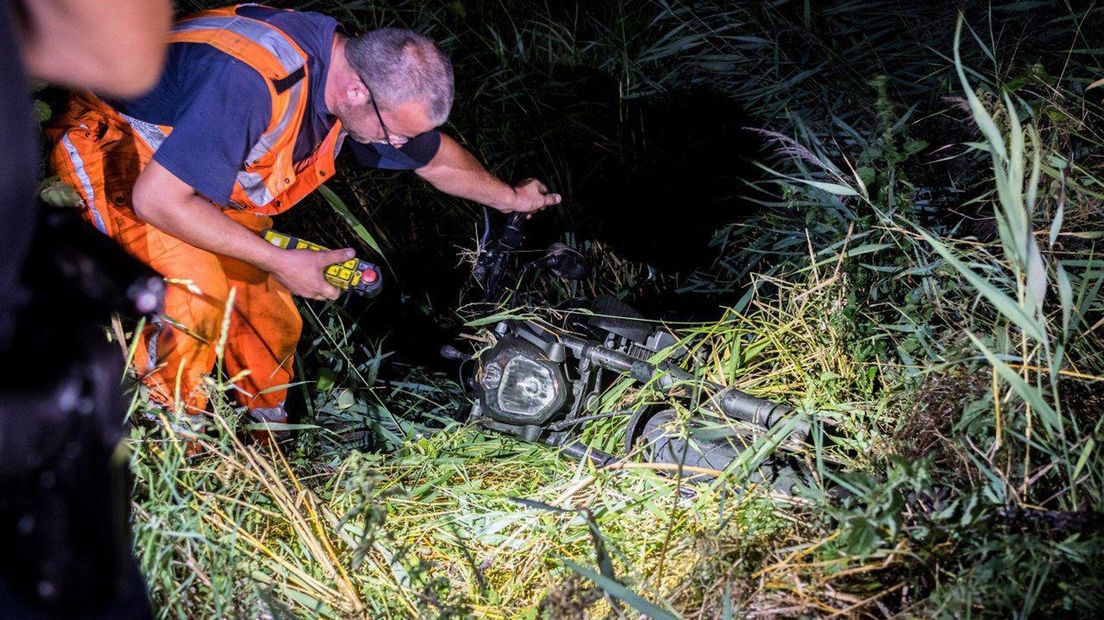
x=219 y=107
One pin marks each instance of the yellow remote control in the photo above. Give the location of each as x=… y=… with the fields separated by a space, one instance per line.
x=360 y=277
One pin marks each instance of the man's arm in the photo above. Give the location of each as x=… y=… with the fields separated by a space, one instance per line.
x=454 y=170
x=171 y=205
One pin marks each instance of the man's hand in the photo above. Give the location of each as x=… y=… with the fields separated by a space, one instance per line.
x=303 y=271
x=531 y=195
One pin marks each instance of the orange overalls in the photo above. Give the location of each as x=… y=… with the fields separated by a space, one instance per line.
x=101 y=153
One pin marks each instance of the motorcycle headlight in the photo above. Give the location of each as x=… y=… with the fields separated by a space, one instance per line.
x=527 y=388
x=519 y=386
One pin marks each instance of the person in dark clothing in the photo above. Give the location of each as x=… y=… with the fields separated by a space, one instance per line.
x=65 y=549
x=116 y=48
x=18 y=169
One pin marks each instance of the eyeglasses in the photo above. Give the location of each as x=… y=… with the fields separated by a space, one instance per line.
x=395 y=140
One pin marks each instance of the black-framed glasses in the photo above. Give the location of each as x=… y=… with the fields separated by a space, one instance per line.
x=396 y=140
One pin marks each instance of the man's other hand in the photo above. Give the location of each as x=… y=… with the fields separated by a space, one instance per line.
x=303 y=272
x=530 y=196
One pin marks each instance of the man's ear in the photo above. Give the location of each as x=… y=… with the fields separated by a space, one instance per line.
x=356 y=94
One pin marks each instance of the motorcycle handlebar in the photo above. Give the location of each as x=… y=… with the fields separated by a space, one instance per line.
x=494 y=254
x=758 y=411
x=730 y=402
x=578 y=450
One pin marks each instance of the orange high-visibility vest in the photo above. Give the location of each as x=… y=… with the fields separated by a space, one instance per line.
x=270 y=181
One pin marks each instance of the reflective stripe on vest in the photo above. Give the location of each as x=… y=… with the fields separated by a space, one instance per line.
x=86 y=182
x=271 y=53
x=274 y=42
x=150 y=133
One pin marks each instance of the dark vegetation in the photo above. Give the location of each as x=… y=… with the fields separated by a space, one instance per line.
x=903 y=246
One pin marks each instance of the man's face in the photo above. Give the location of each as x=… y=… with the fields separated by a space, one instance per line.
x=399 y=122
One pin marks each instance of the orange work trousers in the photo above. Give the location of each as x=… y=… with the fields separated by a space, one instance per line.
x=96 y=151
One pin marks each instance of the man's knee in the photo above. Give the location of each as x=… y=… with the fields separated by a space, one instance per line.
x=291 y=324
x=197 y=299
x=294 y=323
x=279 y=326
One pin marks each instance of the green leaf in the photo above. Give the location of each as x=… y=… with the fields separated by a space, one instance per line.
x=745 y=299
x=494 y=318
x=1016 y=149
x=913 y=147
x=1036 y=275
x=1084 y=458
x=42 y=111
x=981 y=116
x=832 y=188
x=1065 y=298
x=342 y=209
x=326 y=379
x=539 y=505
x=346 y=399
x=619 y=591
x=868 y=248
x=862 y=539
x=1036 y=168
x=1004 y=304
x=58 y=193
x=1028 y=393
x=970 y=510
x=1056 y=225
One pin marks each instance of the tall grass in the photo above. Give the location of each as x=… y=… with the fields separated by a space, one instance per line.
x=921 y=279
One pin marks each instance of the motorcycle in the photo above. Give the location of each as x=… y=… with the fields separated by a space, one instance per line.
x=542 y=381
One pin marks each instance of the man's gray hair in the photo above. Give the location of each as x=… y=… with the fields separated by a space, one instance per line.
x=401 y=65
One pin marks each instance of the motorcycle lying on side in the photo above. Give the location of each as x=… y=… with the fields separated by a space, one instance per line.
x=542 y=381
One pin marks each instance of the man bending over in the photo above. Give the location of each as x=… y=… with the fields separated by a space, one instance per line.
x=246 y=120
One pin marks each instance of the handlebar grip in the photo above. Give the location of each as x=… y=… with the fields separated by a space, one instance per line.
x=758 y=411
x=515 y=220
x=579 y=451
x=512 y=236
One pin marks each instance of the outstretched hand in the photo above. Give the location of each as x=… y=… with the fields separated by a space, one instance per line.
x=531 y=196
